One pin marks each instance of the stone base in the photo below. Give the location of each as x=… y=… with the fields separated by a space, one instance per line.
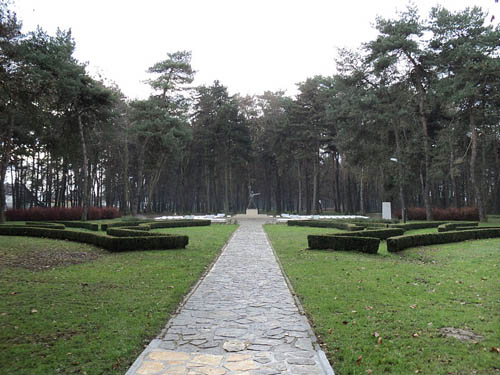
x=252 y=212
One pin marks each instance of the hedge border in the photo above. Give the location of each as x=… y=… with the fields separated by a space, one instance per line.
x=419 y=225
x=455 y=226
x=158 y=224
x=79 y=224
x=114 y=244
x=399 y=243
x=381 y=234
x=326 y=224
x=368 y=245
x=38 y=225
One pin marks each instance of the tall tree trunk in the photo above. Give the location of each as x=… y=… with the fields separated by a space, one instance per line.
x=473 y=173
x=139 y=186
x=315 y=207
x=4 y=163
x=362 y=192
x=338 y=204
x=85 y=171
x=226 y=186
x=299 y=179
x=426 y=180
x=399 y=154
x=278 y=190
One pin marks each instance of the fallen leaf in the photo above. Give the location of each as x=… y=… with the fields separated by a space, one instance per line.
x=376 y=334
x=3 y=314
x=170 y=287
x=330 y=331
x=13 y=293
x=495 y=350
x=345 y=322
x=369 y=371
x=415 y=335
x=369 y=307
x=358 y=361
x=33 y=311
x=484 y=278
x=413 y=306
x=379 y=341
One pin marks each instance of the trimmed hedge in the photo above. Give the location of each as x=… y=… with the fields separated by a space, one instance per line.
x=45 y=225
x=326 y=224
x=418 y=225
x=381 y=234
x=344 y=243
x=114 y=244
x=403 y=242
x=455 y=226
x=179 y=223
x=79 y=224
x=131 y=232
x=158 y=224
x=130 y=223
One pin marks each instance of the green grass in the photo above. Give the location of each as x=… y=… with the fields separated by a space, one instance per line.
x=404 y=299
x=94 y=317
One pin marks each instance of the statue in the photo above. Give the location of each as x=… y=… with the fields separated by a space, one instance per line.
x=251 y=201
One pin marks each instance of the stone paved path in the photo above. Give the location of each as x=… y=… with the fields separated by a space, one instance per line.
x=241 y=319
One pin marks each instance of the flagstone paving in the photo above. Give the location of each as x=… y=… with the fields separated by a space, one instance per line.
x=241 y=319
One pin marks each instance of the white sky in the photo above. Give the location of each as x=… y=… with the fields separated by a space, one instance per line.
x=250 y=46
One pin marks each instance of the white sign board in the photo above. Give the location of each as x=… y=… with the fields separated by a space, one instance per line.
x=386 y=210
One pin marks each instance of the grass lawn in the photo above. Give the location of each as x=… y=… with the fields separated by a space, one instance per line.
x=71 y=308
x=383 y=313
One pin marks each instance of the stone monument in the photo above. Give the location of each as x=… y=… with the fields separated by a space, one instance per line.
x=252 y=206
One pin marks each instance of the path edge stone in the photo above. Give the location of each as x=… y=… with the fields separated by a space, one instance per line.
x=323 y=360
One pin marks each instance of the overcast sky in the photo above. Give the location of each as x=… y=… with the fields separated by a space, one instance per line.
x=250 y=46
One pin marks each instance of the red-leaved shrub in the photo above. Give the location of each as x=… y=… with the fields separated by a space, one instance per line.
x=442 y=214
x=61 y=213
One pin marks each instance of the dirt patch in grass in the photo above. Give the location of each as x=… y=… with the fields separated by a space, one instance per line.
x=460 y=334
x=41 y=260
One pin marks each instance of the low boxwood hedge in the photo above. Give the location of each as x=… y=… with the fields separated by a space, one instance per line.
x=115 y=244
x=127 y=223
x=79 y=224
x=457 y=226
x=344 y=243
x=418 y=225
x=44 y=225
x=403 y=242
x=179 y=223
x=326 y=224
x=158 y=224
x=381 y=234
x=131 y=232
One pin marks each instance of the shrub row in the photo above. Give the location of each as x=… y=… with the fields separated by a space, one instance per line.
x=127 y=223
x=459 y=214
x=326 y=224
x=114 y=244
x=131 y=232
x=343 y=243
x=61 y=213
x=403 y=242
x=418 y=225
x=454 y=226
x=69 y=224
x=45 y=225
x=381 y=234
x=158 y=224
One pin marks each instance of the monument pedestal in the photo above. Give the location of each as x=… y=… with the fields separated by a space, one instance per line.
x=252 y=212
